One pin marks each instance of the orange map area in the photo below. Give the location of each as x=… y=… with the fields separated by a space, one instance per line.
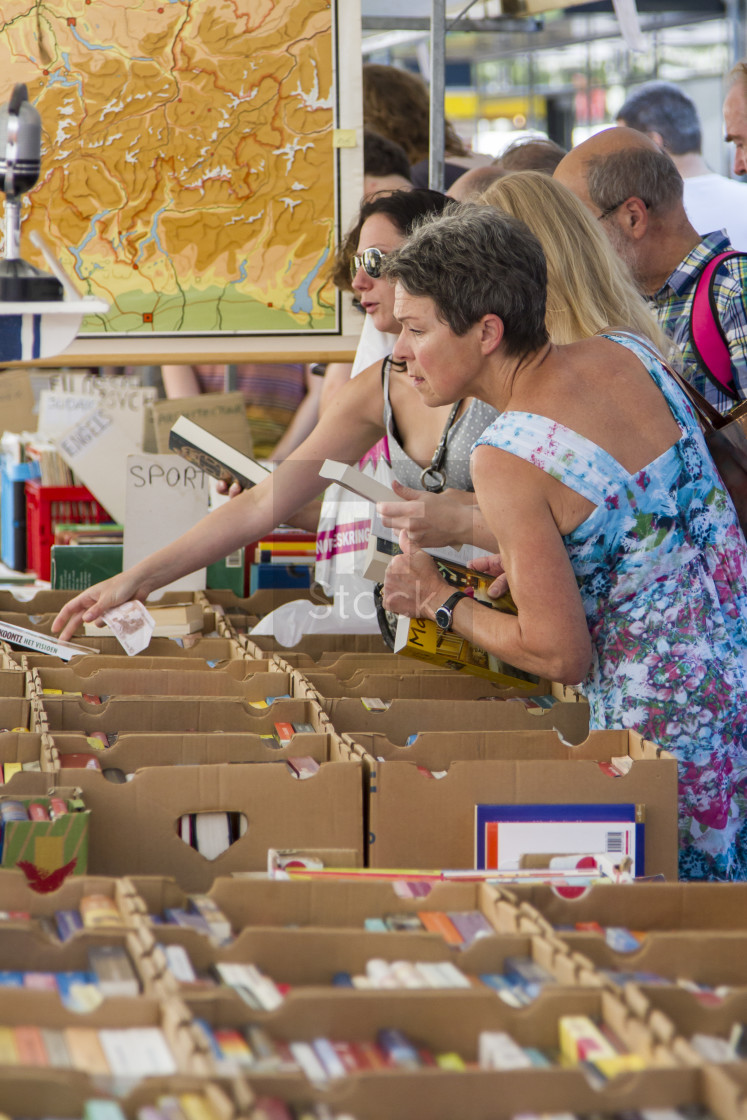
x=188 y=173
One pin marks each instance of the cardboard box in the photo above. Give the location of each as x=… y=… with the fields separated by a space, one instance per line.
x=351 y=666
x=134 y=826
x=82 y=668
x=11 y=683
x=418 y=821
x=403 y=718
x=47 y=851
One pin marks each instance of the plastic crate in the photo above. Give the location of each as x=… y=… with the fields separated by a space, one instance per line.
x=47 y=505
x=13 y=476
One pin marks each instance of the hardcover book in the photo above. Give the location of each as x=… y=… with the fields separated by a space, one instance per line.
x=213 y=455
x=358 y=482
x=424 y=639
x=506 y=833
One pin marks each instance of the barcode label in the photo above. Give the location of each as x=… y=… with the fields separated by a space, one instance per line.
x=614 y=842
x=233 y=560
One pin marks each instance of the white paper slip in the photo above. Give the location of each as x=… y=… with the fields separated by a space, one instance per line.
x=131 y=624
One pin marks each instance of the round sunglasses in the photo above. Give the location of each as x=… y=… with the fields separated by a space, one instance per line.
x=369 y=261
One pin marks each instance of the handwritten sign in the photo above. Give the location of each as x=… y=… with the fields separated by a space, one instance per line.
x=164 y=497
x=221 y=414
x=96 y=449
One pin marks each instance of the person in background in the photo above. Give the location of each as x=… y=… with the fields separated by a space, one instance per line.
x=617 y=540
x=531 y=153
x=669 y=117
x=735 y=116
x=635 y=192
x=385 y=165
x=472 y=183
x=282 y=400
x=396 y=104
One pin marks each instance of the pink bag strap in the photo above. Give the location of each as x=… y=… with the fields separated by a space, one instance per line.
x=707 y=334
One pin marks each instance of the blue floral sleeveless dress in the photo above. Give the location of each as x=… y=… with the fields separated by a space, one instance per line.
x=661 y=565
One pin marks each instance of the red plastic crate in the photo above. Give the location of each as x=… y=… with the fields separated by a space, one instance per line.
x=47 y=506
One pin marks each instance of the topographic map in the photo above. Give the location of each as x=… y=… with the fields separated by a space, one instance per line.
x=188 y=167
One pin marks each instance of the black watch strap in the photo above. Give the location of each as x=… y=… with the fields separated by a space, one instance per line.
x=445 y=612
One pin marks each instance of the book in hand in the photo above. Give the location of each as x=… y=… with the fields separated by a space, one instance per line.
x=358 y=482
x=505 y=834
x=424 y=639
x=214 y=456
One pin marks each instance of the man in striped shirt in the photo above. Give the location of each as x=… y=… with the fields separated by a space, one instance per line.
x=635 y=190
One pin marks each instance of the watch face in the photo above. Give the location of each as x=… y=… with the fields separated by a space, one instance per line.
x=443 y=617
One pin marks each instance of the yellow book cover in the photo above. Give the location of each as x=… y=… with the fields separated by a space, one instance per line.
x=86 y=1052
x=8 y=1048
x=424 y=639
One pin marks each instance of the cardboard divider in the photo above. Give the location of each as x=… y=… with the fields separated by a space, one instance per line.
x=308 y=959
x=134 y=826
x=442 y=1024
x=44 y=1009
x=316 y=645
x=15 y=712
x=347 y=666
x=25 y=950
x=676 y=1015
x=714 y=958
x=11 y=683
x=655 y=907
x=81 y=669
x=210 y=649
x=405 y=686
x=408 y=810
x=414 y=717
x=501 y=1095
x=123 y=714
x=138 y=750
x=64 y=1094
x=17 y=895
x=24 y=747
x=326 y=904
x=147 y=682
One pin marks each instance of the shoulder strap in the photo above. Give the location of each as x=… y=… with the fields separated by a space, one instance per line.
x=706 y=333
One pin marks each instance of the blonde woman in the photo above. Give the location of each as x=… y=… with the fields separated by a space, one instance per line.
x=589 y=288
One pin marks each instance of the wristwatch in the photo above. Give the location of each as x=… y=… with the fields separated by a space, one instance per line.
x=445 y=613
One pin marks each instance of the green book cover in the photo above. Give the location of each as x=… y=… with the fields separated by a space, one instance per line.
x=76 y=566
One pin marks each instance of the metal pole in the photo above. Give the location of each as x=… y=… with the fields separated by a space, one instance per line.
x=438 y=90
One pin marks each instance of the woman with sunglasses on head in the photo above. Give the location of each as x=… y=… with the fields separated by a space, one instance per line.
x=429 y=447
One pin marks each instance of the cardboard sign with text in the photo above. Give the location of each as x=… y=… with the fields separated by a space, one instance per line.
x=96 y=449
x=164 y=497
x=222 y=414
x=59 y=409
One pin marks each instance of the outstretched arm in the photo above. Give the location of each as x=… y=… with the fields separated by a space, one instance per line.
x=351 y=426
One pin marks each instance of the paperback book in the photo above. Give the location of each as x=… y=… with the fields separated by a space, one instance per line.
x=213 y=455
x=507 y=834
x=422 y=638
